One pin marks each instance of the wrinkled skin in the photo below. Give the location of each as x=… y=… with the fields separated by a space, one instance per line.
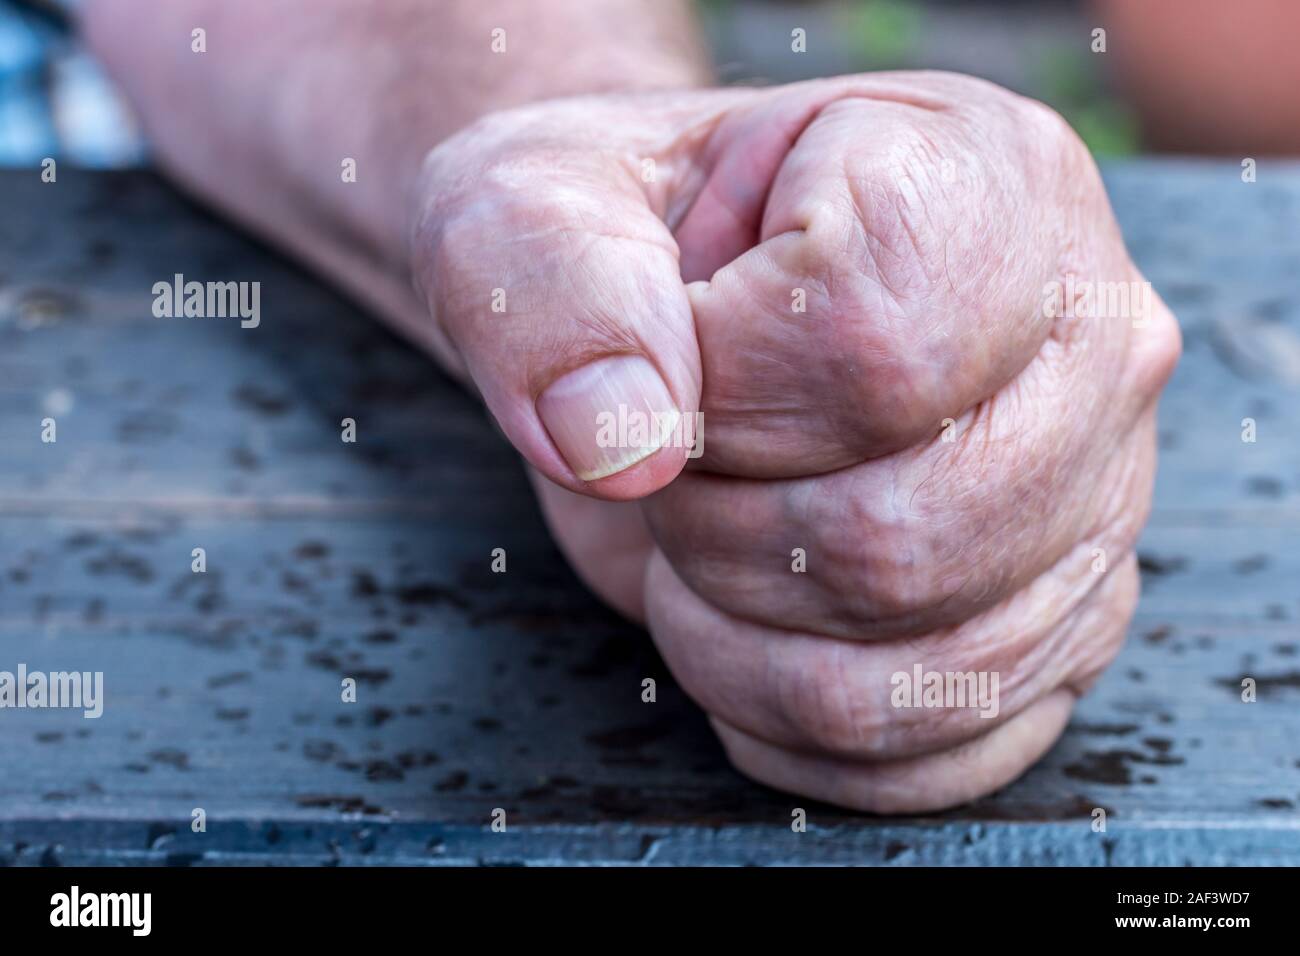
x=923 y=215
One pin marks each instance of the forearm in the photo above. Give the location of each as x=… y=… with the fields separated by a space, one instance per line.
x=262 y=122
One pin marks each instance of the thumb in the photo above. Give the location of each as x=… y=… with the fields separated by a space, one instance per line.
x=559 y=291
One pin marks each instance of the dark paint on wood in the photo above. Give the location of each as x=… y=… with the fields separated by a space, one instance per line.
x=480 y=691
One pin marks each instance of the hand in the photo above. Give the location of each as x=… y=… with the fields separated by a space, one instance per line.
x=881 y=293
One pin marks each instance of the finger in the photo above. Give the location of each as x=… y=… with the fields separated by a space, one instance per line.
x=927 y=538
x=912 y=785
x=875 y=303
x=560 y=291
x=872 y=700
x=606 y=543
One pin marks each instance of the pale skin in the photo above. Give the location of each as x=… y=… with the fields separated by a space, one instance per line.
x=949 y=457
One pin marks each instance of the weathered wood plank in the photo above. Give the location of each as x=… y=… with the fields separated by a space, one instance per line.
x=479 y=691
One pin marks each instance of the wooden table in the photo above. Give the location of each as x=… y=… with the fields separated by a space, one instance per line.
x=478 y=691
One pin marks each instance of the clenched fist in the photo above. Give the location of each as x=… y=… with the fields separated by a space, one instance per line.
x=925 y=374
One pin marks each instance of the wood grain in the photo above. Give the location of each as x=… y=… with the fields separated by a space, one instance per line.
x=519 y=691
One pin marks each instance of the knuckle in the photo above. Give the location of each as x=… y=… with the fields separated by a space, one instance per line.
x=1047 y=127
x=898 y=385
x=908 y=595
x=872 y=560
x=450 y=241
x=450 y=277
x=1054 y=145
x=901 y=559
x=1159 y=348
x=462 y=221
x=886 y=365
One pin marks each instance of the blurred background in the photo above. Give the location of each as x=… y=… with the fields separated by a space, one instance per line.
x=1193 y=76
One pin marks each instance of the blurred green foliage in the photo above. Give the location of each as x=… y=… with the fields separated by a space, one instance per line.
x=884 y=32
x=891 y=34
x=1066 y=79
